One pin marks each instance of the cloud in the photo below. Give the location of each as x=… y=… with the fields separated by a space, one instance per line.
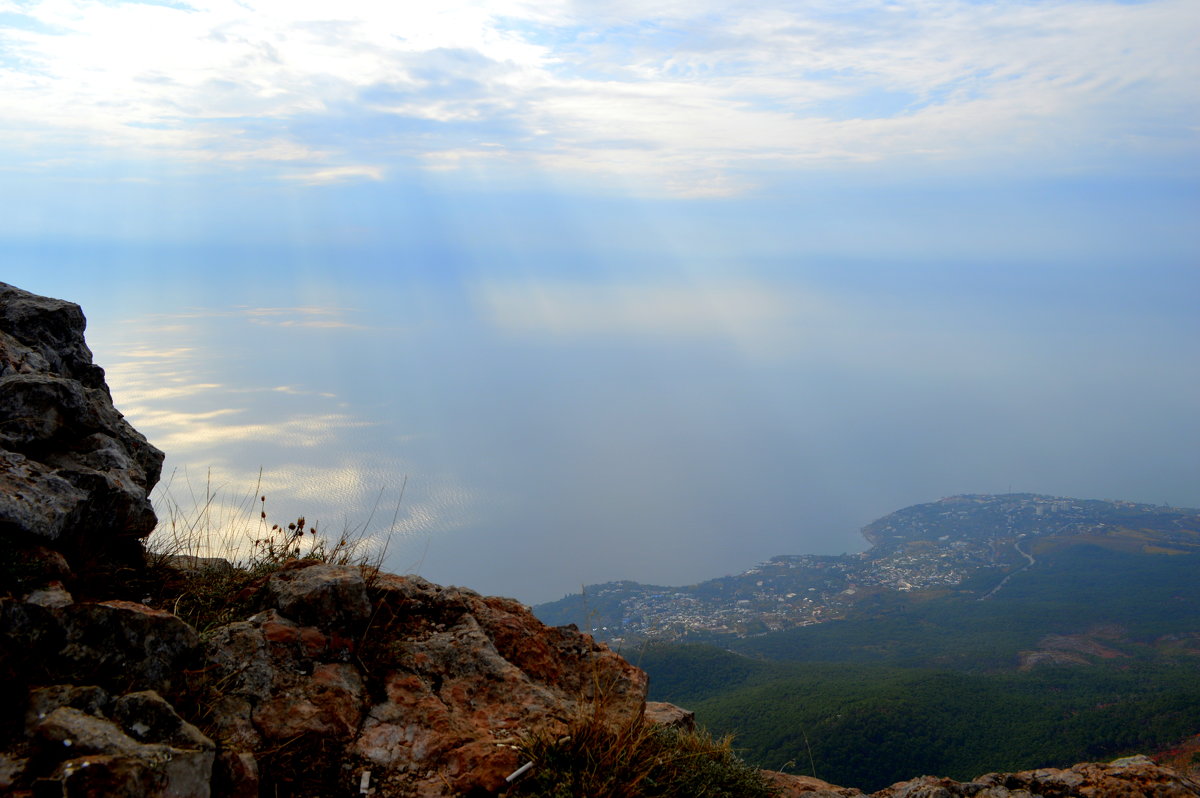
x=321 y=318
x=134 y=392
x=572 y=309
x=142 y=375
x=337 y=174
x=184 y=433
x=293 y=391
x=168 y=392
x=695 y=99
x=149 y=353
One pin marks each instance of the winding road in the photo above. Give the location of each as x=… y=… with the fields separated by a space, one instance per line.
x=1004 y=581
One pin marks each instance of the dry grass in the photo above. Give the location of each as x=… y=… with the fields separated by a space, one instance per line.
x=215 y=522
x=213 y=549
x=638 y=760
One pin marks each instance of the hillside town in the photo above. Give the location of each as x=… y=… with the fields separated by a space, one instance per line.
x=960 y=543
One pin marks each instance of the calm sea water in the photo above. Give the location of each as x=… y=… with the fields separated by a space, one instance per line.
x=526 y=438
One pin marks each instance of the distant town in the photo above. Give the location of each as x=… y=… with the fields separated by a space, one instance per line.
x=969 y=542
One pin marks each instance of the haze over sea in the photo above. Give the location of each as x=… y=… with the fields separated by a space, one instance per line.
x=644 y=291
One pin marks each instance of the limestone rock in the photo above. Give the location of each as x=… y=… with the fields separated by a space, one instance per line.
x=24 y=569
x=316 y=594
x=232 y=719
x=69 y=730
x=148 y=718
x=123 y=642
x=52 y=596
x=792 y=786
x=281 y=680
x=664 y=714
x=44 y=335
x=89 y=699
x=192 y=564
x=428 y=687
x=113 y=776
x=328 y=702
x=12 y=768
x=73 y=473
x=150 y=772
x=236 y=775
x=98 y=758
x=115 y=644
x=1131 y=777
x=466 y=676
x=31 y=635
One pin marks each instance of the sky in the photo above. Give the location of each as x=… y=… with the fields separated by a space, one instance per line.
x=559 y=293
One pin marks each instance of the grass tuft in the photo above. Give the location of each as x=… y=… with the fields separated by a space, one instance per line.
x=638 y=760
x=210 y=560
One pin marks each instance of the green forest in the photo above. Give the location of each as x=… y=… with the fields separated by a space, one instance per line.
x=936 y=685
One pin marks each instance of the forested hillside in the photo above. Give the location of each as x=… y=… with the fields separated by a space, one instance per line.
x=1090 y=655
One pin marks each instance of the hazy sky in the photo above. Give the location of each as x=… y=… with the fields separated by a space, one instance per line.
x=649 y=290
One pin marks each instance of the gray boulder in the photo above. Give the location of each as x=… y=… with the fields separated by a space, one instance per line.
x=97 y=757
x=112 y=644
x=148 y=718
x=74 y=475
x=316 y=594
x=122 y=642
x=662 y=713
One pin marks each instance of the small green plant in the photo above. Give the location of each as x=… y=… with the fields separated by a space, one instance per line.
x=638 y=760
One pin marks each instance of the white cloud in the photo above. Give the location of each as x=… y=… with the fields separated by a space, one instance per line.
x=322 y=318
x=168 y=393
x=562 y=308
x=338 y=174
x=185 y=433
x=684 y=95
